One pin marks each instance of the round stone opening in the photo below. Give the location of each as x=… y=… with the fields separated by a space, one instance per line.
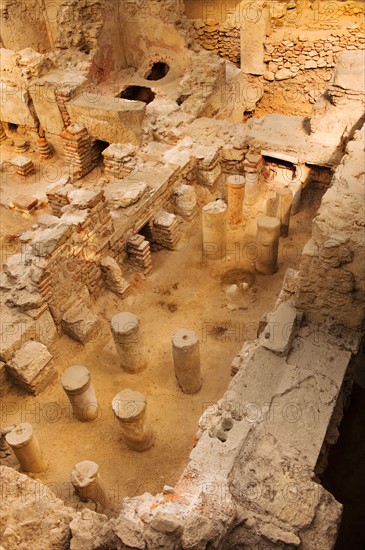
x=158 y=71
x=137 y=93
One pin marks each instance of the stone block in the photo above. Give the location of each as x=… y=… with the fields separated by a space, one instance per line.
x=25 y=203
x=47 y=240
x=17 y=328
x=253 y=34
x=109 y=118
x=122 y=194
x=280 y=329
x=165 y=523
x=46 y=106
x=79 y=322
x=15 y=105
x=32 y=367
x=283 y=74
x=85 y=198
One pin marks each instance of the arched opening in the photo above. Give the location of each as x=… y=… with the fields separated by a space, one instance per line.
x=100 y=145
x=138 y=93
x=12 y=127
x=158 y=71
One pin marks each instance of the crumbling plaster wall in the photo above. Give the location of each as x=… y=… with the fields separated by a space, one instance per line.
x=155 y=31
x=24 y=25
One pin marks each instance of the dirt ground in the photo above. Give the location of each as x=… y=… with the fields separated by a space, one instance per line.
x=182 y=291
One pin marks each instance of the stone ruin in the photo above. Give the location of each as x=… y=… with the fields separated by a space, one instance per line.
x=127 y=131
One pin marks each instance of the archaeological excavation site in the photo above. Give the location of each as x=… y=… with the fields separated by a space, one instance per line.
x=182 y=358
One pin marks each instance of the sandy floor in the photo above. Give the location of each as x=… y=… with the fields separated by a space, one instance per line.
x=181 y=291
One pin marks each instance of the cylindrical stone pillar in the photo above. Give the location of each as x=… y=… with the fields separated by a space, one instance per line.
x=77 y=385
x=130 y=409
x=186 y=355
x=87 y=483
x=128 y=340
x=214 y=229
x=268 y=233
x=252 y=188
x=25 y=446
x=284 y=199
x=235 y=193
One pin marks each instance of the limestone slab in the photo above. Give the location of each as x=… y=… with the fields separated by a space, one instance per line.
x=109 y=118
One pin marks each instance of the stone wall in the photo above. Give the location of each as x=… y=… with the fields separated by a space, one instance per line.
x=61 y=256
x=310 y=50
x=332 y=271
x=229 y=28
x=222 y=39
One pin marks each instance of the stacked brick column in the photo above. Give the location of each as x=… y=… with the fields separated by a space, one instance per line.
x=118 y=160
x=23 y=166
x=139 y=254
x=77 y=148
x=166 y=230
x=44 y=149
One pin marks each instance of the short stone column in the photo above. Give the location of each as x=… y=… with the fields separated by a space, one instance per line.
x=284 y=200
x=25 y=446
x=186 y=355
x=76 y=382
x=268 y=233
x=44 y=148
x=235 y=193
x=128 y=340
x=130 y=409
x=87 y=483
x=252 y=188
x=214 y=217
